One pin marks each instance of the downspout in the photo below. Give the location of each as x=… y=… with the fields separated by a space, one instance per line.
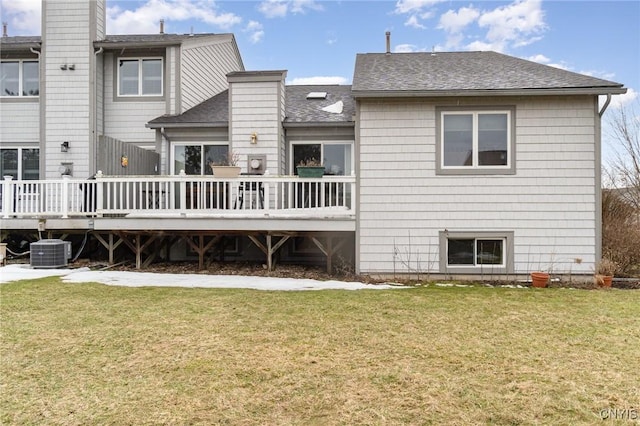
x=167 y=164
x=606 y=104
x=598 y=253
x=95 y=106
x=42 y=151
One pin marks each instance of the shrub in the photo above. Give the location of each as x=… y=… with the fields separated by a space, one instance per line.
x=620 y=231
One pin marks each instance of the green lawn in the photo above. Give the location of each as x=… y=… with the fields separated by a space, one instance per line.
x=95 y=354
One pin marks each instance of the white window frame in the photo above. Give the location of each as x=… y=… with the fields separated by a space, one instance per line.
x=322 y=143
x=20 y=150
x=475 y=168
x=21 y=78
x=174 y=145
x=507 y=251
x=140 y=61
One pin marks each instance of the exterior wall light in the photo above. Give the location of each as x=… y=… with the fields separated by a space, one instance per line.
x=124 y=161
x=64 y=146
x=254 y=137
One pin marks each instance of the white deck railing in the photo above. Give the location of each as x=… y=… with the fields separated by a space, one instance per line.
x=168 y=195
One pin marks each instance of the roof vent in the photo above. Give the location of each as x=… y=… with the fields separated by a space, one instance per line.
x=317 y=95
x=4 y=29
x=162 y=26
x=388 y=34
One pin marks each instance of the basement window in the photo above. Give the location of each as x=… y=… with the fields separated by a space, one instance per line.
x=476 y=252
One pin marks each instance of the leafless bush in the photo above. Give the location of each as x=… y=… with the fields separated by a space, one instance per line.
x=620 y=231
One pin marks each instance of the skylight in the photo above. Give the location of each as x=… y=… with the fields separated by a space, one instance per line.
x=317 y=95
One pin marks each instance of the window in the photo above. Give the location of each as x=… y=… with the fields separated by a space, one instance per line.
x=21 y=163
x=471 y=252
x=19 y=78
x=140 y=77
x=475 y=142
x=194 y=159
x=335 y=156
x=475 y=251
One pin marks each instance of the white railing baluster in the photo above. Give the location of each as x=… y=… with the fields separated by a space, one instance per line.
x=158 y=195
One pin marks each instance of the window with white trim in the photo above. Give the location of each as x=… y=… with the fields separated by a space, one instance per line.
x=140 y=76
x=194 y=158
x=21 y=163
x=475 y=141
x=20 y=78
x=475 y=252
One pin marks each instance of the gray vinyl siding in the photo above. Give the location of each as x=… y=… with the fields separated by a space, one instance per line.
x=549 y=204
x=24 y=125
x=67 y=40
x=204 y=66
x=255 y=107
x=126 y=120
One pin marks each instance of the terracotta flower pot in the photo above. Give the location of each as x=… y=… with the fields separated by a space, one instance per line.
x=539 y=279
x=604 y=280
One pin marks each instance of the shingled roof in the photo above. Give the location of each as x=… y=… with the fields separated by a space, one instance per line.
x=111 y=41
x=466 y=73
x=214 y=112
x=19 y=43
x=125 y=40
x=299 y=110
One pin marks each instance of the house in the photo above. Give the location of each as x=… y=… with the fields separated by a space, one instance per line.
x=463 y=163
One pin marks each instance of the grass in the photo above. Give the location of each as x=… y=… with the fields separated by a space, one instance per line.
x=94 y=354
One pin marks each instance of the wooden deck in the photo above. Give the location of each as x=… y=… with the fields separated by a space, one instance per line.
x=144 y=212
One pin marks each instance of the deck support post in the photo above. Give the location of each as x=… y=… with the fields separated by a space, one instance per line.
x=270 y=249
x=201 y=248
x=328 y=249
x=110 y=245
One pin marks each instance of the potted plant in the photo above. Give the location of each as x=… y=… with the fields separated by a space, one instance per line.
x=310 y=168
x=539 y=279
x=226 y=167
x=605 y=269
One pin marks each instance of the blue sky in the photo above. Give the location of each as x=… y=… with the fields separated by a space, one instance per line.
x=319 y=39
x=316 y=41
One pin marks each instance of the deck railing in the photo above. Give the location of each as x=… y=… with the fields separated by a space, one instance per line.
x=166 y=195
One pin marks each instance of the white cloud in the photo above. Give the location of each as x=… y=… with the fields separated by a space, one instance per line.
x=22 y=17
x=301 y=6
x=145 y=18
x=517 y=24
x=413 y=22
x=599 y=74
x=255 y=30
x=413 y=6
x=325 y=80
x=408 y=48
x=483 y=45
x=539 y=58
x=619 y=101
x=417 y=9
x=454 y=22
x=280 y=8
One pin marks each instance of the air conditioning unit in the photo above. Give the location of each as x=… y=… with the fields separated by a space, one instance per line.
x=52 y=253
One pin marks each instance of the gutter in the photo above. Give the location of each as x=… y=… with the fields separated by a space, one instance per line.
x=612 y=90
x=294 y=124
x=166 y=125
